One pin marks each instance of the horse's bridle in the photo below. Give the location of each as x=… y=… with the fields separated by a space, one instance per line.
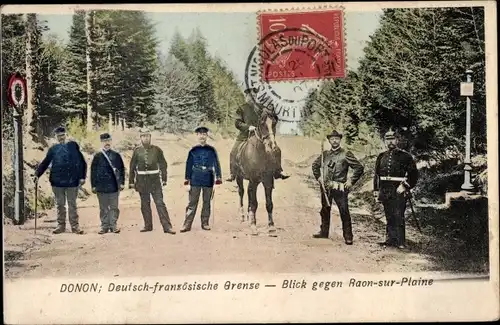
x=261 y=139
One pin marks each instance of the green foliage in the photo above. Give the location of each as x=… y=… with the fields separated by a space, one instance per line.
x=176 y=102
x=409 y=80
x=412 y=71
x=217 y=92
x=337 y=104
x=227 y=95
x=88 y=141
x=14 y=56
x=123 y=65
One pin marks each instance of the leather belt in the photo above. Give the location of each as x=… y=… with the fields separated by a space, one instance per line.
x=148 y=172
x=201 y=167
x=335 y=185
x=394 y=179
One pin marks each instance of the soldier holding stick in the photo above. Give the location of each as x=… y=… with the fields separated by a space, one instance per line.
x=202 y=172
x=330 y=169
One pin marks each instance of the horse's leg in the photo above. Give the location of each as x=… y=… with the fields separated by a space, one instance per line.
x=268 y=188
x=252 y=205
x=241 y=192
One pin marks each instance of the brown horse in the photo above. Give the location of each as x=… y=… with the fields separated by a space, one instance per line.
x=255 y=161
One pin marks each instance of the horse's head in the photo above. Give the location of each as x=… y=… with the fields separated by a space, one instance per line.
x=267 y=130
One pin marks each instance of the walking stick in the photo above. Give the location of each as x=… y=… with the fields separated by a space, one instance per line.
x=36 y=201
x=417 y=223
x=213 y=209
x=322 y=174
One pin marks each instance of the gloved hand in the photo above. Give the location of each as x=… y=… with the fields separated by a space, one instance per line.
x=186 y=182
x=163 y=183
x=131 y=186
x=218 y=181
x=251 y=128
x=94 y=190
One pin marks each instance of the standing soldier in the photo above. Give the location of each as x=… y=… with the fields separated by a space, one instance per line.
x=395 y=174
x=148 y=174
x=202 y=171
x=247 y=118
x=67 y=174
x=107 y=178
x=330 y=169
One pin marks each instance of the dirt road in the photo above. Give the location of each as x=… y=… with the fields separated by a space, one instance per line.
x=228 y=247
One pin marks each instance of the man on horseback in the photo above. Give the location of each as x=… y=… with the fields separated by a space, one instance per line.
x=247 y=118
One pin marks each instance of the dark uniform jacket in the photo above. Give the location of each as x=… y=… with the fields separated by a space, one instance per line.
x=201 y=165
x=146 y=159
x=246 y=115
x=394 y=163
x=68 y=165
x=336 y=166
x=102 y=177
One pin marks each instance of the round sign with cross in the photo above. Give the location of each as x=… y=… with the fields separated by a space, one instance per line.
x=17 y=90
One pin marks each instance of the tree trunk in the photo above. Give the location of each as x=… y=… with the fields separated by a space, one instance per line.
x=88 y=17
x=29 y=25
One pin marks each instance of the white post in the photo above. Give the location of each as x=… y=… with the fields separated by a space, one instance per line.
x=467 y=185
x=110 y=123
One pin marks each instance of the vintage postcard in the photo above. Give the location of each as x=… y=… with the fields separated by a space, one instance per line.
x=252 y=162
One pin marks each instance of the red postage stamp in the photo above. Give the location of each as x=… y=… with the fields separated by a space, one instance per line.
x=297 y=46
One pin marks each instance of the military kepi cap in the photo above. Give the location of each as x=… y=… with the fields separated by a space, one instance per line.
x=144 y=131
x=201 y=129
x=390 y=135
x=60 y=130
x=334 y=133
x=105 y=136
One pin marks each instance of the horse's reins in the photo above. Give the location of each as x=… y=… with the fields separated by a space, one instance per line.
x=256 y=135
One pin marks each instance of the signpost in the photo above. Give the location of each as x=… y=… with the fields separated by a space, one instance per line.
x=467 y=90
x=17 y=95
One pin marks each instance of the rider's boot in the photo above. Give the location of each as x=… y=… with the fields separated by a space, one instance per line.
x=231 y=178
x=281 y=175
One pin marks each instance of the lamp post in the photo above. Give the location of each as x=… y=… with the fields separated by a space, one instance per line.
x=467 y=90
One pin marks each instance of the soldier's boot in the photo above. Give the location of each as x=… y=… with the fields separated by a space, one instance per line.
x=102 y=231
x=59 y=230
x=205 y=227
x=169 y=231
x=185 y=229
x=77 y=231
x=146 y=229
x=279 y=173
x=115 y=230
x=320 y=234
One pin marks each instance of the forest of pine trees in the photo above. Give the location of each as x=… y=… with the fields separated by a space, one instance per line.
x=408 y=78
x=112 y=65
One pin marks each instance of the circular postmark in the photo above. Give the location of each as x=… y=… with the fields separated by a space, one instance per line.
x=285 y=66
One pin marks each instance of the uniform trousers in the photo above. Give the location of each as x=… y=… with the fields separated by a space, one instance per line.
x=108 y=209
x=63 y=195
x=194 y=197
x=394 y=209
x=341 y=199
x=147 y=188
